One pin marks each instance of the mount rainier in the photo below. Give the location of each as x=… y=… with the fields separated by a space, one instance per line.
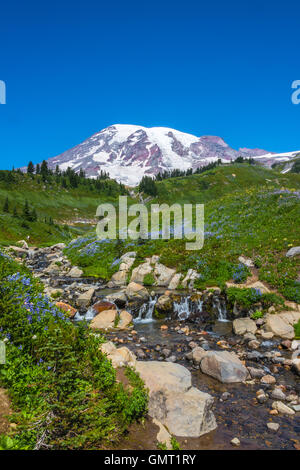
x=128 y=152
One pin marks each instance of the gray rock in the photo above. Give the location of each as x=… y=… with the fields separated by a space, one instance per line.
x=183 y=409
x=273 y=427
x=293 y=252
x=224 y=366
x=277 y=394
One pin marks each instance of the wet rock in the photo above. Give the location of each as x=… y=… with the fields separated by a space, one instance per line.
x=104 y=320
x=84 y=299
x=282 y=408
x=268 y=379
x=125 y=319
x=136 y=291
x=273 y=427
x=183 y=409
x=164 y=304
x=102 y=305
x=253 y=344
x=278 y=394
x=296 y=366
x=256 y=373
x=171 y=359
x=244 y=325
x=119 y=298
x=295 y=344
x=224 y=366
x=249 y=337
x=166 y=352
x=140 y=354
x=261 y=397
x=225 y=396
x=235 y=442
x=198 y=354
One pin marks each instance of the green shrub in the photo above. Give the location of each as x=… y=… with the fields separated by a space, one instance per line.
x=63 y=389
x=149 y=280
x=244 y=297
x=256 y=315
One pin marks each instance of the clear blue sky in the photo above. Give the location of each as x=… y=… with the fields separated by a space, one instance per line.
x=74 y=67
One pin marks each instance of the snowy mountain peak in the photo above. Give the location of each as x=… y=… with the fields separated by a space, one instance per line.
x=128 y=152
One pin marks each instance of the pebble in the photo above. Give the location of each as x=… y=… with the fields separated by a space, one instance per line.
x=235 y=442
x=278 y=394
x=273 y=427
x=268 y=379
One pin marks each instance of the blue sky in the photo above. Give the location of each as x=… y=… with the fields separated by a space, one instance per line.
x=219 y=68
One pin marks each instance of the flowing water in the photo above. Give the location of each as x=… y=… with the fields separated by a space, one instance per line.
x=145 y=314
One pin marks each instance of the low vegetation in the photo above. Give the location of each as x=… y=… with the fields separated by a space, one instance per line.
x=63 y=389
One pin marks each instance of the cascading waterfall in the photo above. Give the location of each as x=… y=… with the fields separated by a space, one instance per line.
x=221 y=308
x=182 y=308
x=146 y=311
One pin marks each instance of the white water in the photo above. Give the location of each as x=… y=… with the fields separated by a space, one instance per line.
x=182 y=308
x=146 y=311
x=222 y=313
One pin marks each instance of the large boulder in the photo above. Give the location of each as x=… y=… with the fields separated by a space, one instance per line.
x=175 y=281
x=281 y=324
x=244 y=325
x=125 y=319
x=140 y=272
x=136 y=291
x=183 y=409
x=163 y=274
x=295 y=251
x=104 y=320
x=198 y=354
x=118 y=279
x=190 y=278
x=224 y=366
x=102 y=305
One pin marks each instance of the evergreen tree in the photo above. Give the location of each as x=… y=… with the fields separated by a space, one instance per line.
x=6 y=205
x=38 y=169
x=15 y=212
x=26 y=211
x=30 y=168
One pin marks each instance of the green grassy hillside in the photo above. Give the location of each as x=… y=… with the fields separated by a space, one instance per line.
x=255 y=213
x=224 y=179
x=54 y=205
